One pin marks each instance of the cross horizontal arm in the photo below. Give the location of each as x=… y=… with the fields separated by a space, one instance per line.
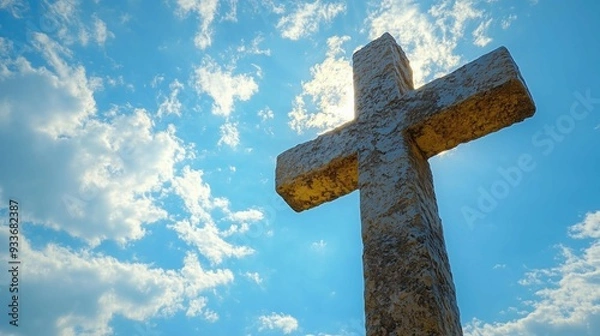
x=481 y=97
x=319 y=170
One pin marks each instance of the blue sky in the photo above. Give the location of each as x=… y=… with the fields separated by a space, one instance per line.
x=140 y=140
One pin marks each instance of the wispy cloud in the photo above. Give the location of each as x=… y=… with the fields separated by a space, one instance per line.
x=195 y=193
x=206 y=238
x=254 y=276
x=222 y=86
x=206 y=11
x=200 y=230
x=318 y=245
x=428 y=36
x=5 y=47
x=87 y=290
x=567 y=294
x=230 y=135
x=588 y=228
x=232 y=13
x=327 y=99
x=250 y=215
x=98 y=179
x=63 y=20
x=285 y=323
x=88 y=177
x=479 y=34
x=16 y=7
x=506 y=22
x=266 y=114
x=100 y=32
x=306 y=18
x=253 y=48
x=171 y=103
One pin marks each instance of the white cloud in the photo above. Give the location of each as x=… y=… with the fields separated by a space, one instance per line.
x=210 y=315
x=230 y=135
x=222 y=86
x=232 y=14
x=307 y=17
x=505 y=24
x=171 y=103
x=198 y=280
x=157 y=80
x=5 y=46
x=567 y=294
x=589 y=228
x=499 y=266
x=65 y=10
x=207 y=240
x=195 y=193
x=101 y=33
x=195 y=307
x=452 y=16
x=271 y=5
x=119 y=81
x=248 y=216
x=124 y=18
x=479 y=34
x=90 y=178
x=286 y=323
x=15 y=7
x=63 y=20
x=96 y=83
x=266 y=114
x=428 y=37
x=200 y=230
x=98 y=177
x=87 y=291
x=206 y=10
x=254 y=276
x=235 y=229
x=318 y=245
x=254 y=47
x=327 y=99
x=259 y=71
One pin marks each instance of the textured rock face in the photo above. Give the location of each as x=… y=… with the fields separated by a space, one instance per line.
x=383 y=152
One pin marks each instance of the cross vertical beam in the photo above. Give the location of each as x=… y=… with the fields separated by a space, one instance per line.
x=408 y=283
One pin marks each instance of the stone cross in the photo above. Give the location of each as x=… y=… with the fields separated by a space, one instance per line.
x=383 y=152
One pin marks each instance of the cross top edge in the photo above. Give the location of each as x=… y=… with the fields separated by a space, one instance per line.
x=384 y=38
x=387 y=36
x=381 y=61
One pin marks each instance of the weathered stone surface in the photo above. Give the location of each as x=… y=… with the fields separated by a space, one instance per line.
x=381 y=70
x=408 y=284
x=481 y=97
x=319 y=170
x=384 y=152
